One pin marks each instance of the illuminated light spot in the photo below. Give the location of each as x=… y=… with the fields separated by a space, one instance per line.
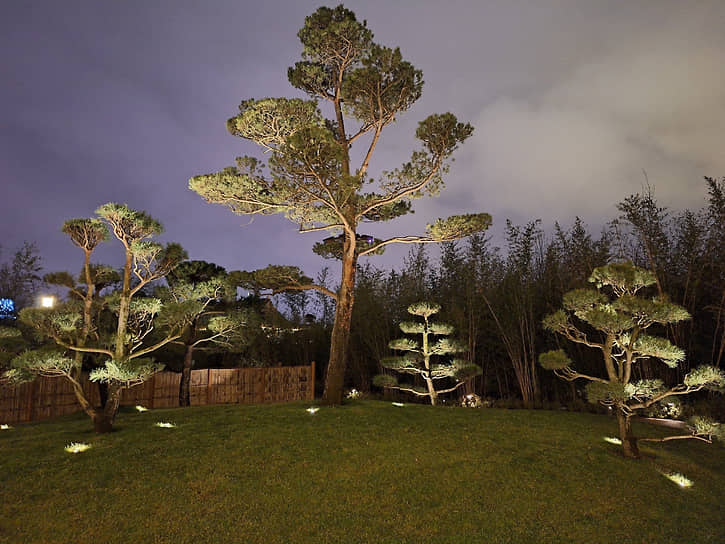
x=312 y=410
x=165 y=425
x=398 y=404
x=5 y=427
x=7 y=308
x=679 y=479
x=353 y=394
x=613 y=440
x=141 y=408
x=77 y=447
x=47 y=302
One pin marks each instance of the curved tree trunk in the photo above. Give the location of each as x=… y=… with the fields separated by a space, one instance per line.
x=335 y=380
x=103 y=420
x=629 y=442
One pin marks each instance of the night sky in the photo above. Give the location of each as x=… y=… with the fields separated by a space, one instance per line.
x=571 y=101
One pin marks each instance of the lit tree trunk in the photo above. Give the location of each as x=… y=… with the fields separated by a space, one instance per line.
x=103 y=419
x=76 y=373
x=629 y=442
x=184 y=394
x=123 y=309
x=341 y=328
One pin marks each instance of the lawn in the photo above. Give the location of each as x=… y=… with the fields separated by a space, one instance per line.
x=365 y=472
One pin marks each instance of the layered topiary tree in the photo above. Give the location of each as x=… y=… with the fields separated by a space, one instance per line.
x=614 y=318
x=318 y=167
x=201 y=296
x=425 y=359
x=122 y=354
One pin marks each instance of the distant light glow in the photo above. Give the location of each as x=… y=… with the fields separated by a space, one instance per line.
x=165 y=425
x=5 y=427
x=613 y=440
x=354 y=394
x=7 y=308
x=679 y=479
x=47 y=301
x=312 y=410
x=398 y=404
x=77 y=447
x=141 y=408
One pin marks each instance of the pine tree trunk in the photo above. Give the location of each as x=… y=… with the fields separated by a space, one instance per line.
x=629 y=442
x=335 y=380
x=184 y=394
x=103 y=420
x=432 y=392
x=78 y=388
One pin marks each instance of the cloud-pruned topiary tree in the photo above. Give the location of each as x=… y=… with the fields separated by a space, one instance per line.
x=419 y=359
x=615 y=319
x=122 y=355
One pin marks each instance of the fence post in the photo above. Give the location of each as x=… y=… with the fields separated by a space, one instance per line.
x=208 y=385
x=30 y=399
x=311 y=393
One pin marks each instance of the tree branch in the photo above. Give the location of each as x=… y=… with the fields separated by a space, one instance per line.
x=401 y=240
x=405 y=191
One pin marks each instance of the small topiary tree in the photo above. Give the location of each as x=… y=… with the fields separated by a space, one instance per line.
x=123 y=355
x=614 y=319
x=417 y=360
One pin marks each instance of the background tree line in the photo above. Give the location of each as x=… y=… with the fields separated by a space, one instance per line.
x=497 y=297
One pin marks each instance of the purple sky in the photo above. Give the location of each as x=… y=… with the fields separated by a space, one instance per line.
x=126 y=100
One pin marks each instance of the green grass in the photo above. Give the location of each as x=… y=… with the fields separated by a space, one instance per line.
x=364 y=472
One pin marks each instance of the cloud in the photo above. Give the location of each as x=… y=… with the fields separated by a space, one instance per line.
x=651 y=102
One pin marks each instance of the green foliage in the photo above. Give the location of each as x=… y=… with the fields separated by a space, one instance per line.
x=623 y=278
x=706 y=427
x=418 y=361
x=332 y=247
x=705 y=376
x=86 y=233
x=272 y=121
x=458 y=226
x=385 y=380
x=273 y=278
x=414 y=327
x=63 y=279
x=424 y=309
x=554 y=359
x=383 y=85
x=404 y=344
x=129 y=225
x=45 y=362
x=128 y=373
x=645 y=389
x=61 y=321
x=661 y=348
x=622 y=324
x=606 y=393
x=408 y=363
x=194 y=272
x=20 y=277
x=445 y=346
x=9 y=332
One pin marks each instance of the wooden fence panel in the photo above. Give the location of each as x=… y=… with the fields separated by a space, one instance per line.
x=199 y=387
x=42 y=399
x=52 y=397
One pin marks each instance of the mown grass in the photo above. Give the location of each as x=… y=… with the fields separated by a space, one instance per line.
x=364 y=472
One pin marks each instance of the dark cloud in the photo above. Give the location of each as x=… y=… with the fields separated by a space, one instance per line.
x=571 y=100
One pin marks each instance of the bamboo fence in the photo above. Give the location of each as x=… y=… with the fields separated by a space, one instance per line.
x=47 y=398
